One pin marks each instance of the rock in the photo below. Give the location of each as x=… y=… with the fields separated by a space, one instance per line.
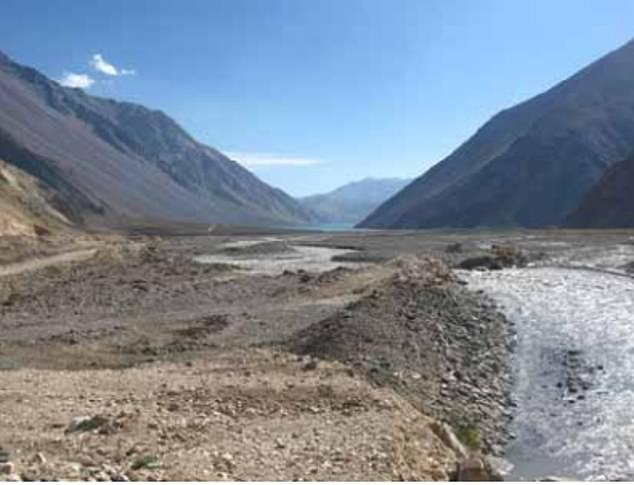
x=7 y=468
x=72 y=469
x=13 y=477
x=40 y=458
x=476 y=468
x=556 y=479
x=447 y=436
x=86 y=423
x=453 y=248
x=500 y=465
x=4 y=455
x=501 y=257
x=101 y=476
x=310 y=365
x=480 y=262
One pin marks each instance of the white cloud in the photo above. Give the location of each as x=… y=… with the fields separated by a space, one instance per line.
x=250 y=160
x=72 y=80
x=98 y=63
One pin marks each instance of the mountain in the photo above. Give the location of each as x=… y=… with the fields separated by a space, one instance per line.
x=529 y=165
x=354 y=201
x=610 y=203
x=115 y=163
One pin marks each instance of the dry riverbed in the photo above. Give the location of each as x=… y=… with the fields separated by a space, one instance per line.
x=245 y=358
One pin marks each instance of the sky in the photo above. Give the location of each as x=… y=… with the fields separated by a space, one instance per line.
x=312 y=94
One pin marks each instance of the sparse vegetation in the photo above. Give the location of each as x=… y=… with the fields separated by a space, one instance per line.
x=149 y=462
x=469 y=435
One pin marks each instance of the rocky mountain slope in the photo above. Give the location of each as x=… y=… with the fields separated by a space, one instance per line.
x=532 y=164
x=26 y=208
x=611 y=202
x=115 y=162
x=354 y=201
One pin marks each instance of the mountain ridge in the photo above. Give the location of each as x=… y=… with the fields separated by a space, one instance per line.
x=353 y=201
x=610 y=203
x=530 y=164
x=121 y=160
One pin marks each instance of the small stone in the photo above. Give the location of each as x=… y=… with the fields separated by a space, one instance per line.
x=40 y=458
x=447 y=436
x=4 y=455
x=279 y=444
x=310 y=365
x=86 y=423
x=472 y=470
x=101 y=476
x=74 y=468
x=7 y=468
x=477 y=469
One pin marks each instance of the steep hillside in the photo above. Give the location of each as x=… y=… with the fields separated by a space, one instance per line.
x=26 y=208
x=529 y=165
x=114 y=162
x=610 y=204
x=354 y=201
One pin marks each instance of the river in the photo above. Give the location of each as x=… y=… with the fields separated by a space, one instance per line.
x=573 y=365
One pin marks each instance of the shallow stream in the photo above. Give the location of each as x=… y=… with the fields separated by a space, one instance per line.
x=293 y=257
x=574 y=368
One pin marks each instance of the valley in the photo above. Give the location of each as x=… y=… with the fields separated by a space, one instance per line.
x=167 y=313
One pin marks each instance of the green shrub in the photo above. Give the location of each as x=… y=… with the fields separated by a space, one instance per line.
x=469 y=435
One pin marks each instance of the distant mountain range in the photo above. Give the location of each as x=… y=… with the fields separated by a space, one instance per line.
x=530 y=165
x=352 y=202
x=610 y=203
x=111 y=164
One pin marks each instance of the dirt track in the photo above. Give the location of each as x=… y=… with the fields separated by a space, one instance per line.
x=39 y=263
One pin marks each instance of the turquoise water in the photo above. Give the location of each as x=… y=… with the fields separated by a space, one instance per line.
x=331 y=226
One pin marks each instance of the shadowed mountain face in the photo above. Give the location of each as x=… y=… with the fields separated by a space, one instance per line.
x=610 y=204
x=352 y=202
x=529 y=165
x=114 y=162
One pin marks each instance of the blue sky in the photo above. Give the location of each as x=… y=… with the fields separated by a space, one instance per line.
x=311 y=94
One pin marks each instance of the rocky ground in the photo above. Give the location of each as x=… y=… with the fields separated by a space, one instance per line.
x=257 y=416
x=422 y=333
x=144 y=364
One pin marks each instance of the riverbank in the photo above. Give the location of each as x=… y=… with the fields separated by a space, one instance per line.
x=137 y=308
